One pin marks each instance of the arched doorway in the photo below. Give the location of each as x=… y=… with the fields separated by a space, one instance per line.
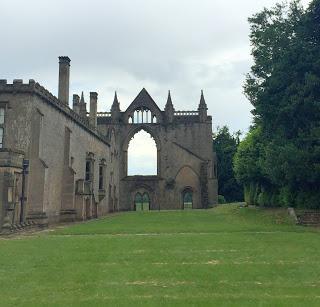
x=138 y=202
x=145 y=202
x=142 y=202
x=187 y=199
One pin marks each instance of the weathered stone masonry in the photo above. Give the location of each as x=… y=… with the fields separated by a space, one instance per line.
x=76 y=162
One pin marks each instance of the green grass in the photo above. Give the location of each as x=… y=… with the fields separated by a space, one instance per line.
x=228 y=256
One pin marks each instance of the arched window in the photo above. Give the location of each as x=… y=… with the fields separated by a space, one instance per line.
x=138 y=203
x=142 y=155
x=145 y=202
x=187 y=197
x=142 y=115
x=154 y=119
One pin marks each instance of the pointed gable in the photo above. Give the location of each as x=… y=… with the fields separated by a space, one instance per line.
x=144 y=100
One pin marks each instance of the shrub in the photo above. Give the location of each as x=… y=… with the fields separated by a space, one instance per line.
x=221 y=199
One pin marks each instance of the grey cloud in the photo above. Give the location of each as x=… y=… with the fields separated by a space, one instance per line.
x=125 y=45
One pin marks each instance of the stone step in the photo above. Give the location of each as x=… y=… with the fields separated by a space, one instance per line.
x=309 y=218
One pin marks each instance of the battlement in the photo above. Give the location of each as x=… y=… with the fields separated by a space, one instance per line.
x=186 y=113
x=32 y=87
x=17 y=84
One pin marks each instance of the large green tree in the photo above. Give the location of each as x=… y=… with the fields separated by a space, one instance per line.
x=284 y=89
x=225 y=145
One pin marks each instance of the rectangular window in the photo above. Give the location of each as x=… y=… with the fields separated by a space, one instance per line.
x=101 y=177
x=10 y=194
x=88 y=170
x=1 y=116
x=2 y=111
x=1 y=137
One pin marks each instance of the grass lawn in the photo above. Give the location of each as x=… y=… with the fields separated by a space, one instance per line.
x=228 y=256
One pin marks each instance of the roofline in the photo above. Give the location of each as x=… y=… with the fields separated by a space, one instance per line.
x=34 y=88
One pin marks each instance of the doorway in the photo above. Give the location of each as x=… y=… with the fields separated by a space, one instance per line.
x=142 y=202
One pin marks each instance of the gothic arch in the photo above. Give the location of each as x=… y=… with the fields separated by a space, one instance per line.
x=135 y=129
x=125 y=144
x=186 y=166
x=188 y=180
x=142 y=186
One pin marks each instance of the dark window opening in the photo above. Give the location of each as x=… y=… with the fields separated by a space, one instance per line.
x=1 y=137
x=88 y=171
x=2 y=112
x=101 y=177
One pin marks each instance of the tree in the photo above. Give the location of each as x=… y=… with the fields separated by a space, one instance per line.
x=225 y=145
x=284 y=89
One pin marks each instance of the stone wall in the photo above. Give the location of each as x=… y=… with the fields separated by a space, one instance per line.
x=185 y=156
x=66 y=151
x=57 y=143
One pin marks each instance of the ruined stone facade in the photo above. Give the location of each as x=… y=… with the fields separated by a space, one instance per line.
x=62 y=164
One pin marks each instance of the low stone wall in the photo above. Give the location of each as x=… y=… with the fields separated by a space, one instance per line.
x=9 y=229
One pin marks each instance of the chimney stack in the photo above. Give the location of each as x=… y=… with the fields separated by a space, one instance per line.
x=64 y=77
x=93 y=109
x=76 y=103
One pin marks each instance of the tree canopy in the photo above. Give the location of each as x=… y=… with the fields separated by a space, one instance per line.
x=225 y=145
x=280 y=157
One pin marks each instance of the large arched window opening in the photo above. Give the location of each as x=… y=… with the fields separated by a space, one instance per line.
x=142 y=155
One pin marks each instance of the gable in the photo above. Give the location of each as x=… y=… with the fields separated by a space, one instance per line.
x=143 y=100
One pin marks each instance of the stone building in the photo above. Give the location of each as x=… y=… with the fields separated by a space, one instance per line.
x=62 y=164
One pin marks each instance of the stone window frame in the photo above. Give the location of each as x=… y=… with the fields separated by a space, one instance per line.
x=89 y=167
x=142 y=115
x=4 y=107
x=102 y=174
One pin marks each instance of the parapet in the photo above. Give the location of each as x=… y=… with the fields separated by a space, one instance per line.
x=17 y=86
x=34 y=88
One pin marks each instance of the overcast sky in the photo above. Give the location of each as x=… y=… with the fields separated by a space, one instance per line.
x=124 y=45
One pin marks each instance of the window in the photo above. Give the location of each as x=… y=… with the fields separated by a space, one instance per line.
x=1 y=137
x=2 y=111
x=1 y=116
x=142 y=115
x=142 y=155
x=88 y=170
x=154 y=119
x=101 y=177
